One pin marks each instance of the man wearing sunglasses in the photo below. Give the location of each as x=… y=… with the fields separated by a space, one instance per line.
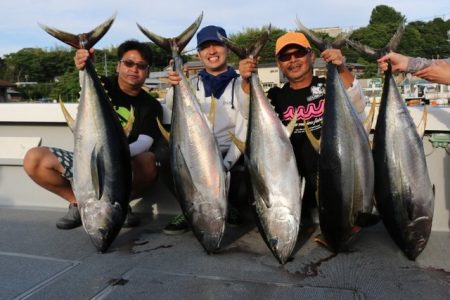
x=219 y=81
x=304 y=93
x=52 y=167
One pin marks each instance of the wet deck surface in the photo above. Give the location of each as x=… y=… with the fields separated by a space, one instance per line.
x=38 y=261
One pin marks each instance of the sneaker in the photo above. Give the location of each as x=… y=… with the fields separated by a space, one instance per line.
x=131 y=219
x=178 y=225
x=234 y=218
x=71 y=220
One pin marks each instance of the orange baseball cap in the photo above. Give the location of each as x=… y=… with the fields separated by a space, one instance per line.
x=289 y=38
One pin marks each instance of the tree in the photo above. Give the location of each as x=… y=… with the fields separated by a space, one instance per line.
x=383 y=14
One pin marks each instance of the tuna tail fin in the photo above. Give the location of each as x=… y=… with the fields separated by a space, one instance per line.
x=395 y=40
x=363 y=49
x=377 y=53
x=318 y=42
x=176 y=44
x=253 y=51
x=83 y=40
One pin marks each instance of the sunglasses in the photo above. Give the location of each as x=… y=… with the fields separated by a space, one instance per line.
x=299 y=53
x=130 y=64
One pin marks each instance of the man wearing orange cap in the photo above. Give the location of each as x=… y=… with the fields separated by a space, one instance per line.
x=304 y=93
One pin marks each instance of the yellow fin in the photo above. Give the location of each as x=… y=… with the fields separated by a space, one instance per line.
x=164 y=132
x=70 y=121
x=314 y=142
x=239 y=144
x=291 y=125
x=369 y=120
x=423 y=122
x=212 y=112
x=129 y=126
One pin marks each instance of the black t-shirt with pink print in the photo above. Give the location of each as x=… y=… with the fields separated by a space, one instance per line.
x=309 y=103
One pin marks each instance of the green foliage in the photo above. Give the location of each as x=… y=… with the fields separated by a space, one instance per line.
x=37 y=91
x=424 y=39
x=383 y=14
x=67 y=87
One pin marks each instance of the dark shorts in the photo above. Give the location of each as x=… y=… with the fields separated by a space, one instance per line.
x=161 y=151
x=66 y=159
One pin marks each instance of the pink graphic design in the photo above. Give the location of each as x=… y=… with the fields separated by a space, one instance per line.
x=311 y=111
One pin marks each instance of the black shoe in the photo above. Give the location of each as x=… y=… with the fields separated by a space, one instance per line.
x=178 y=225
x=234 y=218
x=131 y=220
x=71 y=220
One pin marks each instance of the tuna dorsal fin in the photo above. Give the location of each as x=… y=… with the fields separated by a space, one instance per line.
x=312 y=139
x=176 y=44
x=164 y=132
x=97 y=171
x=369 y=120
x=254 y=50
x=129 y=126
x=423 y=122
x=212 y=112
x=239 y=144
x=70 y=121
x=83 y=40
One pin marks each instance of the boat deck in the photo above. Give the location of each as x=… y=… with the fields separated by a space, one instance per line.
x=41 y=262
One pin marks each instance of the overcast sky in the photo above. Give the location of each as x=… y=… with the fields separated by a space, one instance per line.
x=19 y=18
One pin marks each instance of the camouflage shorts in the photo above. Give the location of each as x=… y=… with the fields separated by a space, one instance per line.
x=66 y=159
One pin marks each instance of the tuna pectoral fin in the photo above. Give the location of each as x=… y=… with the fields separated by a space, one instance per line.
x=70 y=121
x=189 y=187
x=259 y=185
x=239 y=144
x=97 y=171
x=423 y=122
x=164 y=132
x=129 y=126
x=314 y=142
x=369 y=120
